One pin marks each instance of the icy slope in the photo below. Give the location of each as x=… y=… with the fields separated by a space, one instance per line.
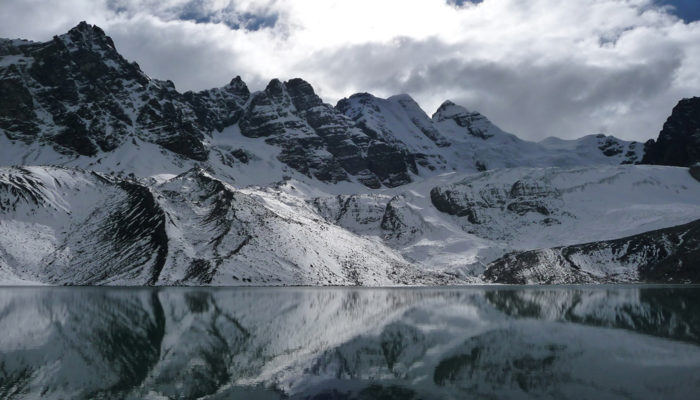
x=458 y=139
x=544 y=207
x=72 y=226
x=461 y=223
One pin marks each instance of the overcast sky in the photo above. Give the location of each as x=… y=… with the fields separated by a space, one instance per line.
x=536 y=68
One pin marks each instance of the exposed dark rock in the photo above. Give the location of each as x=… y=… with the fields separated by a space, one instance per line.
x=318 y=140
x=221 y=107
x=89 y=91
x=695 y=172
x=16 y=107
x=482 y=205
x=451 y=202
x=389 y=164
x=678 y=143
x=610 y=147
x=471 y=121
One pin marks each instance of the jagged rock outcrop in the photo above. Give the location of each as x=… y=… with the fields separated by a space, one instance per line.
x=391 y=218
x=220 y=107
x=319 y=141
x=78 y=94
x=473 y=123
x=678 y=143
x=533 y=196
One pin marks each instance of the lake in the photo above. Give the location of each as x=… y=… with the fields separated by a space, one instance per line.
x=564 y=342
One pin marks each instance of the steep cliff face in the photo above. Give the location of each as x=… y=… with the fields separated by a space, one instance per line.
x=679 y=141
x=320 y=142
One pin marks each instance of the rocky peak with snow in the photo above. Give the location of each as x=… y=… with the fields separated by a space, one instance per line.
x=473 y=123
x=78 y=94
x=220 y=107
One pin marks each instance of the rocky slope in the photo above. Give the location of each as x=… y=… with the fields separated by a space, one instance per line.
x=670 y=255
x=64 y=226
x=536 y=207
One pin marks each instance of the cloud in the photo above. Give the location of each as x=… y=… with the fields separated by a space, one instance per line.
x=535 y=67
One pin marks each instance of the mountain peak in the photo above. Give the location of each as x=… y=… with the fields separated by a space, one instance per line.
x=237 y=81
x=302 y=94
x=275 y=88
x=88 y=36
x=402 y=98
x=449 y=110
x=238 y=87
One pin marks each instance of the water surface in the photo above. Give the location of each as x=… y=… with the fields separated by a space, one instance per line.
x=577 y=342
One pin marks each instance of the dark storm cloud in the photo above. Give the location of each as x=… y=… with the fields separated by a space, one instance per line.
x=563 y=98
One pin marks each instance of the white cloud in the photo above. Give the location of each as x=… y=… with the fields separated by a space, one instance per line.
x=535 y=67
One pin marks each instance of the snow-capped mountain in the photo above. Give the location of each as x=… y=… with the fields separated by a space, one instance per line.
x=76 y=97
x=121 y=179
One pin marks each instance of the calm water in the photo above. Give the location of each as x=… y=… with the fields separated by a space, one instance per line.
x=561 y=342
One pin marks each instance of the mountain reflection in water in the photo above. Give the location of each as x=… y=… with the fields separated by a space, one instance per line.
x=574 y=342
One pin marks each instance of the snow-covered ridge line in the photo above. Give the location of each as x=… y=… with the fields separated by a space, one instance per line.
x=105 y=107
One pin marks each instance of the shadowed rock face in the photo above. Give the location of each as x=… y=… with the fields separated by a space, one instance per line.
x=678 y=143
x=220 y=107
x=524 y=196
x=318 y=140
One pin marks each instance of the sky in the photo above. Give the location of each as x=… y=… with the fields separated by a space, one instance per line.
x=536 y=68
